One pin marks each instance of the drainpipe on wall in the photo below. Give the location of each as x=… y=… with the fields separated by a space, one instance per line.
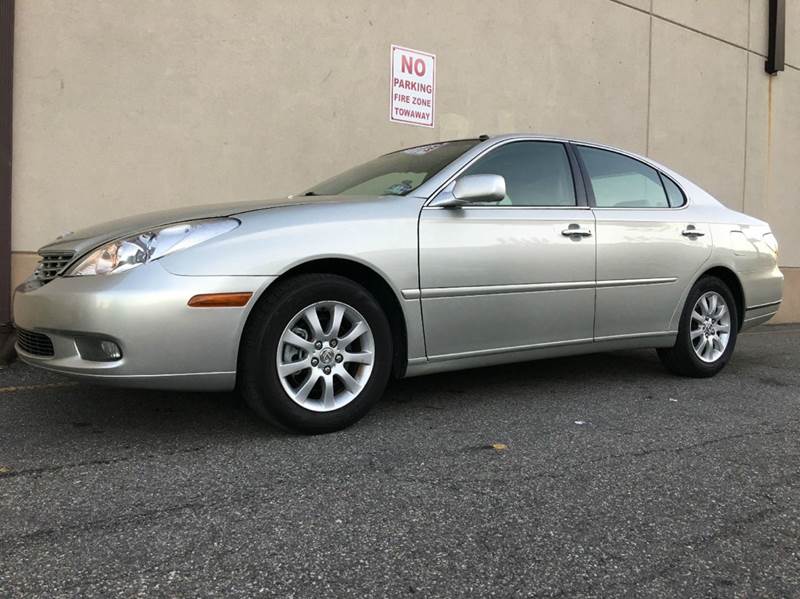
x=777 y=37
x=6 y=86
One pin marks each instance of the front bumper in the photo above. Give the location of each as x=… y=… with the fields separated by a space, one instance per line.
x=165 y=344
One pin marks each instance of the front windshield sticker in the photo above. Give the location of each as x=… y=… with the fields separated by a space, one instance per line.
x=399 y=189
x=422 y=150
x=413 y=87
x=396 y=173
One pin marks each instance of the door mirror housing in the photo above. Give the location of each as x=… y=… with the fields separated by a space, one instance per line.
x=473 y=189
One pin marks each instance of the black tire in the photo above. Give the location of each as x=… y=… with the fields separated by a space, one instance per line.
x=681 y=359
x=258 y=378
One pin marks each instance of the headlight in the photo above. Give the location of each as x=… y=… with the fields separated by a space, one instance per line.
x=130 y=252
x=772 y=242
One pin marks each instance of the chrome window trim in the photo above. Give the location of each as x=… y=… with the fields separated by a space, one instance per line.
x=489 y=207
x=641 y=208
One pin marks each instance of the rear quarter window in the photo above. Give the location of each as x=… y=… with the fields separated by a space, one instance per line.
x=674 y=194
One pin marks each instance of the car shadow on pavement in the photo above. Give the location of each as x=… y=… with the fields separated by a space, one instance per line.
x=594 y=369
x=55 y=402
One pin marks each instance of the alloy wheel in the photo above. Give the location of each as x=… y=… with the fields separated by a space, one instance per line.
x=325 y=356
x=710 y=328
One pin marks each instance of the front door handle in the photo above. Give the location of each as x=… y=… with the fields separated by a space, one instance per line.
x=691 y=231
x=576 y=230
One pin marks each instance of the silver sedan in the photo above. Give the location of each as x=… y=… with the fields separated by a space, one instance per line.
x=445 y=256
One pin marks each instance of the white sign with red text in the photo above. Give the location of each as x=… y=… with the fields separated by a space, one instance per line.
x=413 y=87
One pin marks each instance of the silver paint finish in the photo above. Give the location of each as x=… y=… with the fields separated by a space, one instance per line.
x=537 y=352
x=164 y=342
x=479 y=247
x=640 y=244
x=495 y=284
x=378 y=233
x=473 y=189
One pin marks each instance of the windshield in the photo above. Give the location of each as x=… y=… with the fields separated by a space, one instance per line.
x=397 y=173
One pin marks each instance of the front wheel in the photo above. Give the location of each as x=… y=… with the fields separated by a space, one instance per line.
x=316 y=354
x=707 y=331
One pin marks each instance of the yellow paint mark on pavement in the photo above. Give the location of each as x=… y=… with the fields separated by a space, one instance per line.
x=500 y=446
x=6 y=470
x=36 y=387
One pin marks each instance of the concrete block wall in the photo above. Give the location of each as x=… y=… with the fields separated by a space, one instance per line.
x=124 y=107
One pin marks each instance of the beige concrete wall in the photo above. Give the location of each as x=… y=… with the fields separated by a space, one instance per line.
x=698 y=113
x=123 y=107
x=22 y=265
x=790 y=308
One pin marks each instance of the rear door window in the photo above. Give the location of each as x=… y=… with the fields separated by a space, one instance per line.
x=622 y=182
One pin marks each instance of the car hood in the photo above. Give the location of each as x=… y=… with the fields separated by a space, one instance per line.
x=83 y=240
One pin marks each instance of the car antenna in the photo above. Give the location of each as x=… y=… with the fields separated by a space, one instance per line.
x=483 y=137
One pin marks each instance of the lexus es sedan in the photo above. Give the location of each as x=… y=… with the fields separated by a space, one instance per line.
x=439 y=257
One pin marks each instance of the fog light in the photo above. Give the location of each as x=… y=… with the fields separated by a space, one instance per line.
x=98 y=350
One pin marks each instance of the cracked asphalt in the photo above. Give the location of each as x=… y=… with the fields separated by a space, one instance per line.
x=617 y=479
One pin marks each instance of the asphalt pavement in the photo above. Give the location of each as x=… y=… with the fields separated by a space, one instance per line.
x=601 y=475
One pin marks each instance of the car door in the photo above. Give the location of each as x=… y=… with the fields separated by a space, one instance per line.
x=513 y=275
x=649 y=248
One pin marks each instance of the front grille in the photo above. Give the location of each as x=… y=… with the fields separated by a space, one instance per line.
x=51 y=265
x=34 y=343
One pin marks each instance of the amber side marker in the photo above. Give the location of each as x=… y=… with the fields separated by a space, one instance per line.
x=220 y=300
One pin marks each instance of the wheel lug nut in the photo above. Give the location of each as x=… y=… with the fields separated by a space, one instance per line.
x=334 y=343
x=339 y=358
x=327 y=370
x=314 y=361
x=318 y=345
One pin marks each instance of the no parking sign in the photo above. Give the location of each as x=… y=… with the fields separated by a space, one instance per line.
x=413 y=87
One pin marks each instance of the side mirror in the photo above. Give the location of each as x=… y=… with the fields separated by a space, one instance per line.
x=473 y=189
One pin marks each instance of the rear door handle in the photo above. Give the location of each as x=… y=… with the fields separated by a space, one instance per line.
x=691 y=231
x=576 y=230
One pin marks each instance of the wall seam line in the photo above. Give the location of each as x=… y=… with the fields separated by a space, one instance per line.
x=746 y=109
x=699 y=31
x=649 y=84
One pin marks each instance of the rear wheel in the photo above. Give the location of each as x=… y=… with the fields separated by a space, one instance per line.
x=316 y=354
x=707 y=331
